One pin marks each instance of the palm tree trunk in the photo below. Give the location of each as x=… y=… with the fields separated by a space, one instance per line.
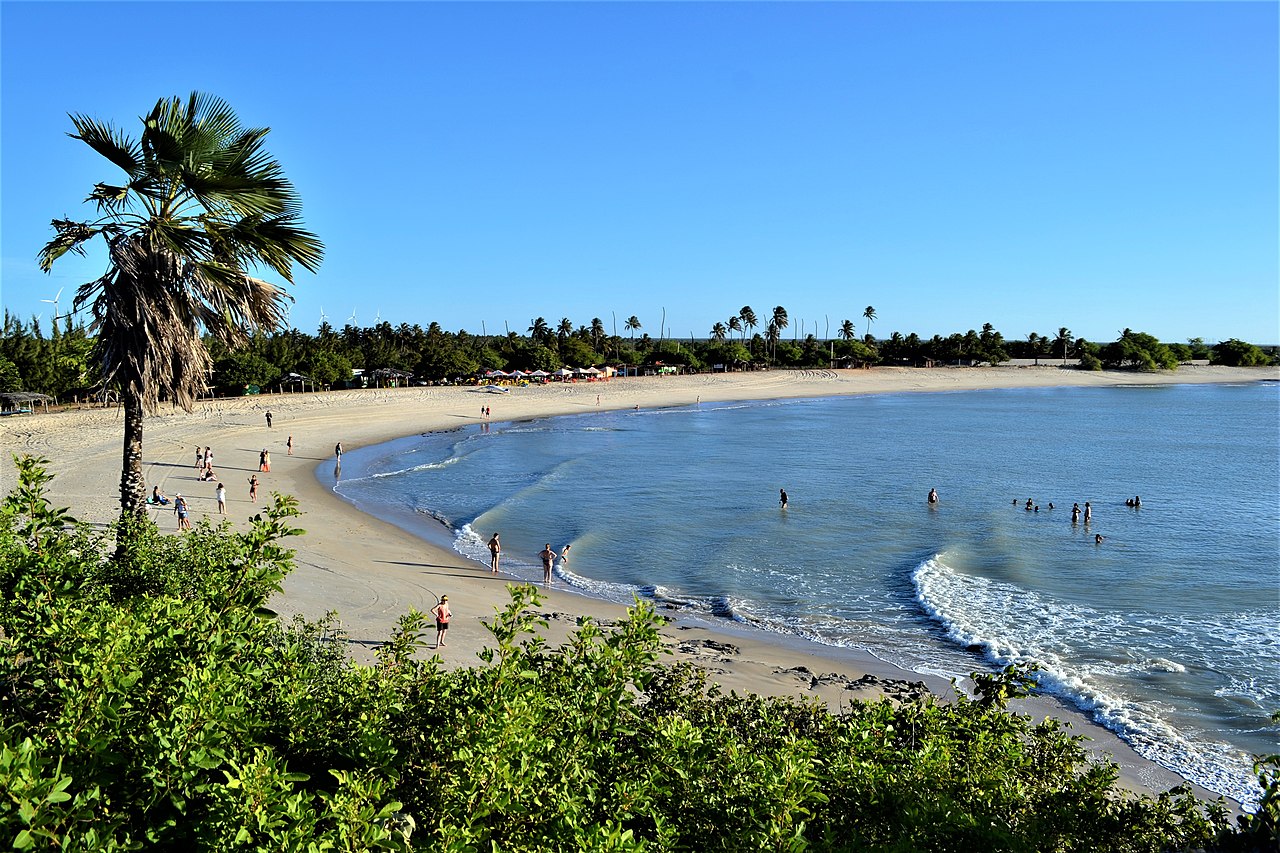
x=133 y=487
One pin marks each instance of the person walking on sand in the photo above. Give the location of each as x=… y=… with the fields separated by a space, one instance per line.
x=253 y=487
x=443 y=614
x=268 y=419
x=548 y=557
x=264 y=461
x=180 y=510
x=782 y=497
x=495 y=553
x=288 y=445
x=221 y=495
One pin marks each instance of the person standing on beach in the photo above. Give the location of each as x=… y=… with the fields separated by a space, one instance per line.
x=288 y=445
x=495 y=553
x=199 y=458
x=548 y=557
x=264 y=461
x=253 y=487
x=208 y=456
x=443 y=614
x=221 y=495
x=782 y=497
x=268 y=419
x=337 y=451
x=180 y=510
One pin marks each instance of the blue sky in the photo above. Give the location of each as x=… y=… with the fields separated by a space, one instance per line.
x=1033 y=165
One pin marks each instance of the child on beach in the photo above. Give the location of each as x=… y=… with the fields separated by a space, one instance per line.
x=221 y=495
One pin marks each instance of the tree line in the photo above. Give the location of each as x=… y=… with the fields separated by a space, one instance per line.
x=60 y=361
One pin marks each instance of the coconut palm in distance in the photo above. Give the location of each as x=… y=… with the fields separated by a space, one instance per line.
x=847 y=331
x=870 y=314
x=1064 y=341
x=748 y=318
x=203 y=204
x=633 y=323
x=734 y=324
x=718 y=332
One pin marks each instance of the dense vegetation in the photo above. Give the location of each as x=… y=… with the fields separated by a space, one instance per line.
x=59 y=361
x=152 y=702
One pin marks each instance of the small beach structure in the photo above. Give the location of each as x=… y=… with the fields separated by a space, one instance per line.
x=23 y=402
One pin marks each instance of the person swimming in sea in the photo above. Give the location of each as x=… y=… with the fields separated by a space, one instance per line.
x=933 y=496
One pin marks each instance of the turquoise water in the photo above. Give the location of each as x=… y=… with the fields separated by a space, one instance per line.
x=1166 y=633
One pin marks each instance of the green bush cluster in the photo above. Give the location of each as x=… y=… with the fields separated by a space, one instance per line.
x=156 y=703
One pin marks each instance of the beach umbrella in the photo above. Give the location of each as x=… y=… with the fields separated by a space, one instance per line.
x=539 y=373
x=563 y=372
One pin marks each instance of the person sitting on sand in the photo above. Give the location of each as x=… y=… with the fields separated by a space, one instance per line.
x=158 y=497
x=208 y=475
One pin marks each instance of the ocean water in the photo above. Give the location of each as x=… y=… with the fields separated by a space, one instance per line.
x=1167 y=633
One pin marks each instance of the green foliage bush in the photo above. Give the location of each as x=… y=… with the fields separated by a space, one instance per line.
x=160 y=705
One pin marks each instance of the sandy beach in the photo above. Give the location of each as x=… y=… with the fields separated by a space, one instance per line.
x=371 y=572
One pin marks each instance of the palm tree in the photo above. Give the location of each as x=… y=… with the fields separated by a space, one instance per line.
x=538 y=330
x=718 y=332
x=735 y=324
x=771 y=334
x=780 y=318
x=597 y=333
x=870 y=314
x=565 y=329
x=203 y=203
x=633 y=323
x=847 y=331
x=1064 y=341
x=1033 y=344
x=748 y=318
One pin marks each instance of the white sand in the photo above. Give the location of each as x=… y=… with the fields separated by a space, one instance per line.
x=371 y=572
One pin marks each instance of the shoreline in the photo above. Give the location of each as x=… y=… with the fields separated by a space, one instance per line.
x=371 y=570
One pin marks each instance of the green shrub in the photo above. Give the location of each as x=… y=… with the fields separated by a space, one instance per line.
x=160 y=705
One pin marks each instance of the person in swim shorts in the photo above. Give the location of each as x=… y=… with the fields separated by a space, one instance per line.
x=443 y=615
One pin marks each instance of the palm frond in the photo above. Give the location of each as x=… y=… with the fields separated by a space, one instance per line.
x=69 y=236
x=108 y=141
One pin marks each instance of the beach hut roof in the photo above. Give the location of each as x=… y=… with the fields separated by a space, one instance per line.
x=564 y=371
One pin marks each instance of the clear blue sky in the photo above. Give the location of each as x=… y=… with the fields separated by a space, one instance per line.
x=1032 y=165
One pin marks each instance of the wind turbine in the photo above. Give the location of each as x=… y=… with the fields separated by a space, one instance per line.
x=324 y=318
x=352 y=319
x=377 y=318
x=54 y=303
